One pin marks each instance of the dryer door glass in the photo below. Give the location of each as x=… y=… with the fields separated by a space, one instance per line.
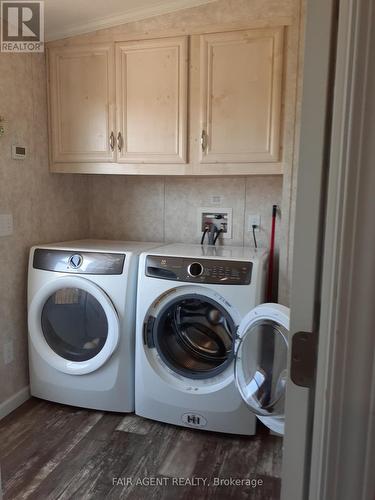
x=74 y=324
x=194 y=336
x=261 y=367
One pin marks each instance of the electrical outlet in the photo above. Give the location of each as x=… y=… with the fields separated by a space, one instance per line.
x=8 y=353
x=254 y=220
x=215 y=199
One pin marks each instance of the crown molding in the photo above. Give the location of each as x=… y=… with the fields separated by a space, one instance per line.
x=128 y=16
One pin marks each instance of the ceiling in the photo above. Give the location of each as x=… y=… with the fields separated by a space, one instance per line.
x=65 y=18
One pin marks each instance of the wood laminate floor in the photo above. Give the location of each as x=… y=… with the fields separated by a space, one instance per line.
x=50 y=451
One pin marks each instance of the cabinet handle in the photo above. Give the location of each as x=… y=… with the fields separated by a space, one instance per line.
x=204 y=141
x=112 y=141
x=119 y=141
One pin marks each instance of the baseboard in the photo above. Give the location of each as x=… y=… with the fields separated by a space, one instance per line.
x=14 y=401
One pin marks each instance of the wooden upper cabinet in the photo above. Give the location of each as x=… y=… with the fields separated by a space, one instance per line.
x=151 y=99
x=81 y=99
x=123 y=107
x=241 y=83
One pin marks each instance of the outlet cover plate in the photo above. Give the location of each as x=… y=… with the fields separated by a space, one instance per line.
x=253 y=220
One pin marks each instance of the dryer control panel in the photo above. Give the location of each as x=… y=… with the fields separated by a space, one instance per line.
x=190 y=270
x=66 y=261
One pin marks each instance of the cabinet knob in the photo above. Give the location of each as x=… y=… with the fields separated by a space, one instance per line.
x=204 y=141
x=119 y=141
x=112 y=141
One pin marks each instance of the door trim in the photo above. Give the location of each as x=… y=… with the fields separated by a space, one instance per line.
x=343 y=456
x=309 y=211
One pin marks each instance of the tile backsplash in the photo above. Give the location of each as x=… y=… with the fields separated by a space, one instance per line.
x=166 y=208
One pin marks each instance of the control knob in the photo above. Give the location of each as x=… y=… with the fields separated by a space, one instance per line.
x=195 y=269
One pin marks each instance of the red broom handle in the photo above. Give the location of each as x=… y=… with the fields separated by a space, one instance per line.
x=272 y=254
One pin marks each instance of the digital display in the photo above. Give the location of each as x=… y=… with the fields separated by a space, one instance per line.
x=18 y=152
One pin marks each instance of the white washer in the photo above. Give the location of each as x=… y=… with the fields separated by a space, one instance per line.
x=81 y=316
x=209 y=355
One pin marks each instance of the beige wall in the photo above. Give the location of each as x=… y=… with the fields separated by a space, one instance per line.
x=45 y=207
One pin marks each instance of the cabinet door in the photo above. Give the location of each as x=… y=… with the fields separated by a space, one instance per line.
x=151 y=100
x=81 y=90
x=241 y=80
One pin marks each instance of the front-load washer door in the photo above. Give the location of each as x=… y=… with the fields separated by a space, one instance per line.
x=193 y=333
x=261 y=363
x=73 y=325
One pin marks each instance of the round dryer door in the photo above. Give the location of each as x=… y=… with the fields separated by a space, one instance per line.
x=73 y=325
x=261 y=363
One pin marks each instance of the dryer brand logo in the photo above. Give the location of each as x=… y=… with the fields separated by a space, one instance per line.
x=22 y=26
x=194 y=420
x=75 y=261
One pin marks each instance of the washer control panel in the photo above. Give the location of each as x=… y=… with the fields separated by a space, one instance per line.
x=211 y=271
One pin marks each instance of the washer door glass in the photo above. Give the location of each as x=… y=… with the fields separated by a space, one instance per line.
x=261 y=367
x=74 y=324
x=194 y=336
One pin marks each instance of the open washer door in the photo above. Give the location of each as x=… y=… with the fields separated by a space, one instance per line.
x=261 y=363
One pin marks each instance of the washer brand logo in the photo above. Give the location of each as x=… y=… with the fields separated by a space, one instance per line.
x=194 y=420
x=22 y=26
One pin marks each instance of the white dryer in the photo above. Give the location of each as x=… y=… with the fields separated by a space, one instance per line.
x=209 y=355
x=81 y=318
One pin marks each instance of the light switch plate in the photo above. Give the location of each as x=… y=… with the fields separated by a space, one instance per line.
x=6 y=224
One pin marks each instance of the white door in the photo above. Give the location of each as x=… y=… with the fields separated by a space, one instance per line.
x=73 y=325
x=260 y=367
